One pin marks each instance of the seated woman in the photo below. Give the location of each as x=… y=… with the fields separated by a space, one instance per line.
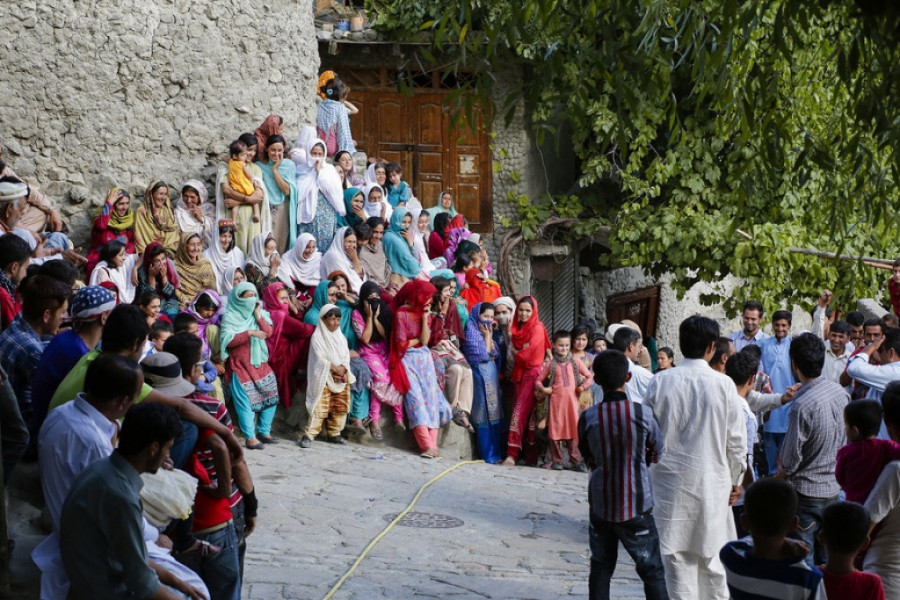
x=454 y=373
x=372 y=324
x=302 y=265
x=194 y=270
x=280 y=180
x=263 y=266
x=320 y=197
x=224 y=255
x=354 y=201
x=398 y=247
x=412 y=367
x=371 y=251
x=376 y=204
x=250 y=380
x=346 y=303
x=444 y=206
x=119 y=268
x=420 y=248
x=228 y=198
x=461 y=307
x=114 y=220
x=437 y=241
x=155 y=221
x=349 y=178
x=233 y=277
x=194 y=214
x=342 y=256
x=157 y=273
x=487 y=409
x=289 y=342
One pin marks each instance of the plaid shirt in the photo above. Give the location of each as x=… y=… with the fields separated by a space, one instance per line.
x=815 y=434
x=20 y=353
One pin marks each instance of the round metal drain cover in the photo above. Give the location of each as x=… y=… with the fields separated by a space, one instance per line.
x=426 y=520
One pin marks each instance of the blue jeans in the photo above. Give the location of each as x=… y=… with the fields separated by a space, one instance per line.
x=641 y=541
x=809 y=511
x=184 y=444
x=772 y=443
x=220 y=573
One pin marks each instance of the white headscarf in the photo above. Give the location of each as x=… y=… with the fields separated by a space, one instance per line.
x=310 y=182
x=121 y=277
x=373 y=209
x=185 y=218
x=336 y=260
x=223 y=261
x=327 y=348
x=298 y=152
x=257 y=256
x=229 y=285
x=294 y=266
x=370 y=174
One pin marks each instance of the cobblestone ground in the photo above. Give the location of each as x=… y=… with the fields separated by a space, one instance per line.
x=523 y=532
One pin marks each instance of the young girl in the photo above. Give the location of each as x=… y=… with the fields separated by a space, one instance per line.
x=119 y=268
x=665 y=359
x=328 y=370
x=478 y=287
x=398 y=192
x=569 y=378
x=254 y=388
x=580 y=336
x=333 y=115
x=157 y=273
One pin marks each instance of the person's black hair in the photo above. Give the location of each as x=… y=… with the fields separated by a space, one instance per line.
x=581 y=329
x=770 y=505
x=334 y=89
x=856 y=319
x=441 y=222
x=610 y=369
x=865 y=415
x=158 y=185
x=624 y=337
x=187 y=348
x=125 y=329
x=337 y=157
x=840 y=327
x=40 y=293
x=754 y=305
x=110 y=250
x=147 y=423
x=146 y=297
x=695 y=334
x=393 y=167
x=362 y=231
x=485 y=306
x=111 y=377
x=439 y=283
x=10 y=179
x=890 y=403
x=559 y=334
x=275 y=139
x=13 y=249
x=60 y=270
x=334 y=312
x=845 y=527
x=466 y=247
x=807 y=352
x=754 y=349
x=206 y=301
x=236 y=147
x=742 y=367
x=183 y=321
x=873 y=322
x=156 y=251
x=782 y=315
x=462 y=263
x=723 y=345
x=891 y=341
x=374 y=222
x=668 y=352
x=527 y=300
x=160 y=327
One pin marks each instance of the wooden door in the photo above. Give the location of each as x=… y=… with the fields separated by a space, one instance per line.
x=640 y=306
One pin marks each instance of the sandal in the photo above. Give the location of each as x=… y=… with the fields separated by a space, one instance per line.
x=268 y=439
x=357 y=426
x=461 y=418
x=257 y=446
x=431 y=453
x=375 y=430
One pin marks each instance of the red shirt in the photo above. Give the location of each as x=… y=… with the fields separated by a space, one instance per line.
x=9 y=309
x=857 y=585
x=209 y=510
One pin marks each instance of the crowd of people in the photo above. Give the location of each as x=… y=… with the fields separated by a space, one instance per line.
x=303 y=277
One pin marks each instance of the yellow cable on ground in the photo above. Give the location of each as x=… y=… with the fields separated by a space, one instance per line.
x=387 y=529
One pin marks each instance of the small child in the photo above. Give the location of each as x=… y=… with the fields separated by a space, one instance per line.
x=860 y=462
x=768 y=560
x=580 y=336
x=599 y=343
x=239 y=177
x=160 y=331
x=844 y=532
x=618 y=439
x=190 y=324
x=398 y=192
x=568 y=379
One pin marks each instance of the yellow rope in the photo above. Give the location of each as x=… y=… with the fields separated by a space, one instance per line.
x=387 y=529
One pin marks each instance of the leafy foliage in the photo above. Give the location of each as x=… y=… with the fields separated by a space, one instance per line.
x=776 y=117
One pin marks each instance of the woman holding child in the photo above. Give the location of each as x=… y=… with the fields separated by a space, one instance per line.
x=227 y=198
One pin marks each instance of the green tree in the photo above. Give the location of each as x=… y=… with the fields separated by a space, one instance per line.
x=778 y=118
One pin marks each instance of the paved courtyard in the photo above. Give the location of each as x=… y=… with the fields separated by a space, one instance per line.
x=497 y=532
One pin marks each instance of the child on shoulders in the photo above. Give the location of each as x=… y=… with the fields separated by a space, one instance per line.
x=844 y=532
x=860 y=462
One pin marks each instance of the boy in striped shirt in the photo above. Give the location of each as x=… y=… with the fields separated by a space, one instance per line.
x=618 y=440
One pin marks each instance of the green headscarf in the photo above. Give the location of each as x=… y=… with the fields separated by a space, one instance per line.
x=320 y=299
x=350 y=219
x=399 y=253
x=239 y=318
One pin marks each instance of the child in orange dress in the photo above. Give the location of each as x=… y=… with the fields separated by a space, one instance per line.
x=239 y=177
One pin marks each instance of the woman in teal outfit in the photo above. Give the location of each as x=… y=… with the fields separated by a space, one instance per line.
x=280 y=180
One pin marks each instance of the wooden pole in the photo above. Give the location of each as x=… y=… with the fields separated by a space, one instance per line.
x=871 y=261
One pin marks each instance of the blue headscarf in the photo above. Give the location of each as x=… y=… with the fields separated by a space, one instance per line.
x=320 y=299
x=473 y=346
x=399 y=252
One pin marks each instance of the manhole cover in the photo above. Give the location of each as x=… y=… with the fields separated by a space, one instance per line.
x=426 y=520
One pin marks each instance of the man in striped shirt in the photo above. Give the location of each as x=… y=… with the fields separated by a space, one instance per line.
x=618 y=439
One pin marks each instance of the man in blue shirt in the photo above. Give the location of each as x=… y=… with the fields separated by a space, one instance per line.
x=752 y=333
x=776 y=363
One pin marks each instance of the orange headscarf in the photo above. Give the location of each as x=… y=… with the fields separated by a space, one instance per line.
x=324 y=78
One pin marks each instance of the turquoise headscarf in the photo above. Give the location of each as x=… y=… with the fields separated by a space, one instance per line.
x=239 y=319
x=462 y=309
x=347 y=323
x=350 y=219
x=288 y=171
x=438 y=209
x=397 y=249
x=320 y=299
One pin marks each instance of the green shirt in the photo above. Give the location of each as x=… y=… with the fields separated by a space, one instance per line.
x=73 y=384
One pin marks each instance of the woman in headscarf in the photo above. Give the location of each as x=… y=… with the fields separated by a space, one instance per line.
x=263 y=266
x=254 y=388
x=233 y=277
x=487 y=409
x=412 y=367
x=398 y=246
x=326 y=293
x=320 y=197
x=227 y=198
x=118 y=268
x=289 y=342
x=194 y=270
x=530 y=344
x=454 y=373
x=194 y=214
x=114 y=220
x=155 y=221
x=444 y=206
x=330 y=378
x=280 y=180
x=354 y=201
x=421 y=232
x=302 y=266
x=345 y=160
x=342 y=256
x=456 y=232
x=273 y=125
x=372 y=324
x=157 y=273
x=371 y=251
x=376 y=204
x=223 y=254
x=346 y=303
x=376 y=174
x=207 y=308
x=437 y=241
x=460 y=304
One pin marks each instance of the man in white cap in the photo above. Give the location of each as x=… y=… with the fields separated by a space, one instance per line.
x=38 y=214
x=13 y=193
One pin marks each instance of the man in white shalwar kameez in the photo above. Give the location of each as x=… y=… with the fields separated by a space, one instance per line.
x=702 y=422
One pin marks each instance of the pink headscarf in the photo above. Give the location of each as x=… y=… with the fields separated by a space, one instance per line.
x=271 y=126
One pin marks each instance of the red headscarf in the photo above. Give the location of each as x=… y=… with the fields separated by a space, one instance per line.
x=271 y=126
x=277 y=311
x=412 y=298
x=530 y=339
x=171 y=273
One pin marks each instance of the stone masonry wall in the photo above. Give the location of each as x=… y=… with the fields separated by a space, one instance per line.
x=120 y=92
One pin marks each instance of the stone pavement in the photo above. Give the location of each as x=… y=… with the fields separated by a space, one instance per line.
x=523 y=531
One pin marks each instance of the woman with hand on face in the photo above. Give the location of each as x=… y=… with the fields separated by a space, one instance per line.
x=280 y=179
x=289 y=342
x=118 y=267
x=155 y=220
x=113 y=221
x=194 y=214
x=343 y=256
x=398 y=243
x=157 y=273
x=302 y=265
x=194 y=270
x=487 y=409
x=320 y=197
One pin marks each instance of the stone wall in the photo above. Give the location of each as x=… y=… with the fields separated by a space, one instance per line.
x=119 y=92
